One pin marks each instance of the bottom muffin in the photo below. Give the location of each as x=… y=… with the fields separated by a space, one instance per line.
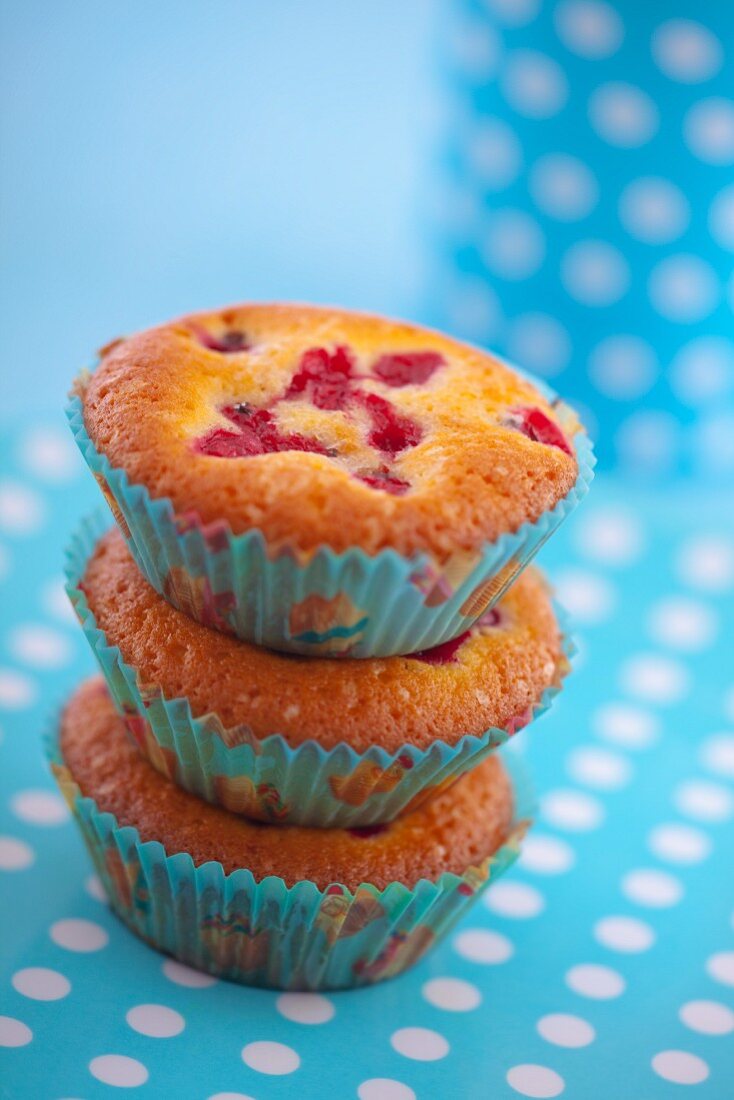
x=281 y=906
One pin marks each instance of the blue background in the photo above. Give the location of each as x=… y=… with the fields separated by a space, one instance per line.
x=166 y=157
x=163 y=157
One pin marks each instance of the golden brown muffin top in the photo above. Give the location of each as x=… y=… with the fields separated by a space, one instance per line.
x=489 y=677
x=452 y=832
x=325 y=427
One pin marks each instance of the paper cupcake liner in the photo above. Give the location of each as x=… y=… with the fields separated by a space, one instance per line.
x=263 y=932
x=267 y=779
x=326 y=604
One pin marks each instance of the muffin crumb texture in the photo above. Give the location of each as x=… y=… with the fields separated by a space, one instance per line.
x=490 y=676
x=455 y=830
x=324 y=427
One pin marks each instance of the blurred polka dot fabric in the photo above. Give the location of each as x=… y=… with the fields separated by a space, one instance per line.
x=585 y=218
x=602 y=965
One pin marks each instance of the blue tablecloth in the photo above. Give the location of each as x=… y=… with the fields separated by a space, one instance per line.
x=603 y=965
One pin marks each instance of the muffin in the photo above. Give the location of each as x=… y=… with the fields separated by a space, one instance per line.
x=318 y=742
x=287 y=907
x=322 y=481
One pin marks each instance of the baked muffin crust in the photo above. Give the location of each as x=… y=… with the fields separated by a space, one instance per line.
x=455 y=830
x=325 y=427
x=489 y=677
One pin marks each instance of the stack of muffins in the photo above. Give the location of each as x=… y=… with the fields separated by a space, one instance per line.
x=315 y=626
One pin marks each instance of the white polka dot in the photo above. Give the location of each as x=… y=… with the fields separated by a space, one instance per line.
x=574 y=811
x=40 y=646
x=589 y=28
x=717 y=754
x=565 y=1030
x=612 y=537
x=538 y=343
x=95 y=889
x=721 y=218
x=419 y=1043
x=229 y=1096
x=476 y=49
x=680 y=1067
x=269 y=1057
x=707 y=1017
x=55 y=601
x=682 y=624
x=703 y=370
x=49 y=455
x=305 y=1008
x=684 y=288
x=22 y=511
x=533 y=84
x=648 y=442
x=16 y=690
x=384 y=1088
x=588 y=597
x=480 y=945
x=185 y=975
x=536 y=1081
x=452 y=994
x=563 y=187
x=623 y=115
x=41 y=984
x=627 y=726
x=495 y=154
x=720 y=967
x=118 y=1070
x=546 y=855
x=473 y=309
x=707 y=563
x=655 y=678
x=39 y=807
x=623 y=367
x=704 y=801
x=654 y=210
x=75 y=934
x=14 y=1033
x=156 y=1021
x=626 y=934
x=514 y=899
x=513 y=13
x=652 y=888
x=599 y=768
x=708 y=128
x=686 y=51
x=514 y=245
x=15 y=855
x=679 y=843
x=601 y=983
x=595 y=273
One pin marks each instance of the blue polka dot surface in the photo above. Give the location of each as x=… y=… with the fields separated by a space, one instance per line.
x=602 y=964
x=584 y=220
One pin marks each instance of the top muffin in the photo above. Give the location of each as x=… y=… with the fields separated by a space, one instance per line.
x=325 y=427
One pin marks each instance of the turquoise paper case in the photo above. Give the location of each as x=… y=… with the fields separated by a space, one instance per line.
x=262 y=932
x=267 y=779
x=326 y=604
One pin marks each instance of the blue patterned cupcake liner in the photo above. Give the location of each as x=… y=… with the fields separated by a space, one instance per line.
x=265 y=933
x=324 y=603
x=266 y=779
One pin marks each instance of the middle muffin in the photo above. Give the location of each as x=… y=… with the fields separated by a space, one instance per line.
x=281 y=738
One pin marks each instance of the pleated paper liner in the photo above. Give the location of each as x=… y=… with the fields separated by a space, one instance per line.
x=326 y=604
x=267 y=779
x=265 y=933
